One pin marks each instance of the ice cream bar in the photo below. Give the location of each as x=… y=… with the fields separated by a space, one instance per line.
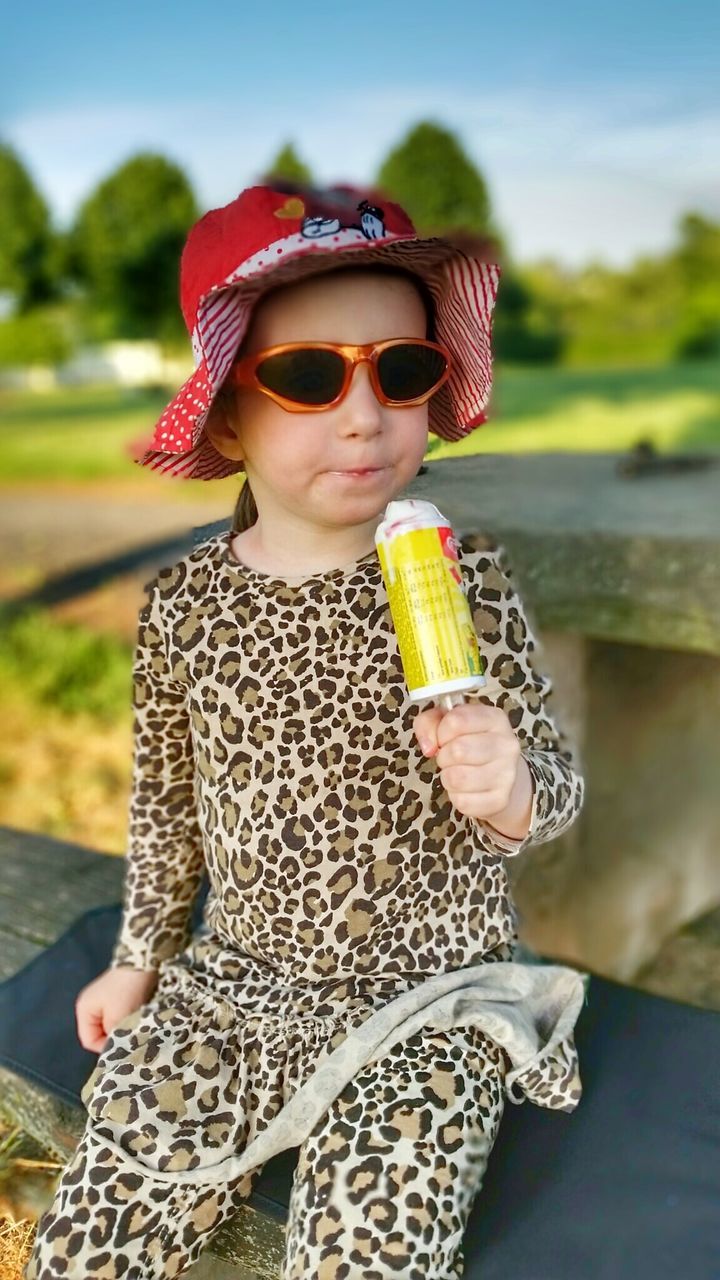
x=429 y=607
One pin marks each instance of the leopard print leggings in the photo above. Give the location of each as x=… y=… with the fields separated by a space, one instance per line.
x=383 y=1186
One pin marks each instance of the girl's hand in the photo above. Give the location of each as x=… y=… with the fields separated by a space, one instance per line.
x=481 y=764
x=107 y=1000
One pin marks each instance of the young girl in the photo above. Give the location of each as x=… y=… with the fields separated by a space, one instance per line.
x=353 y=989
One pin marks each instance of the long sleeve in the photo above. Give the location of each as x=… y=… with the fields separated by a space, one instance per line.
x=164 y=859
x=508 y=645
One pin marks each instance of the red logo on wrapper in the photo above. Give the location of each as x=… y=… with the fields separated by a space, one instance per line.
x=450 y=549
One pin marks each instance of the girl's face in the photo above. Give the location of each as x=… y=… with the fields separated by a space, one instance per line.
x=293 y=459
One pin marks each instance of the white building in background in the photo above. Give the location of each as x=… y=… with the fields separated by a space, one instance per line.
x=122 y=363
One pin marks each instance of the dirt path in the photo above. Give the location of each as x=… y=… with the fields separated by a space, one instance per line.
x=49 y=531
x=55 y=528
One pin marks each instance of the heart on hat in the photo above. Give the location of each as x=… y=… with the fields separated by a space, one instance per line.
x=293 y=207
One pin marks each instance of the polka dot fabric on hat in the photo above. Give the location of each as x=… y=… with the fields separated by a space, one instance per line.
x=176 y=430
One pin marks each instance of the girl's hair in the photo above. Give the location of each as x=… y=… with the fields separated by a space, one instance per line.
x=246 y=513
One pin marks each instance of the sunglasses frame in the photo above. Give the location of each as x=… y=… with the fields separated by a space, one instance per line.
x=243 y=372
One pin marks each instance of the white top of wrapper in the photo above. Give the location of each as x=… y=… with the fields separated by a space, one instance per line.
x=406 y=514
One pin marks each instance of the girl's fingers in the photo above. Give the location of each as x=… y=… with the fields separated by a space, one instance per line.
x=475 y=779
x=477 y=750
x=474 y=753
x=426 y=726
x=89 y=1025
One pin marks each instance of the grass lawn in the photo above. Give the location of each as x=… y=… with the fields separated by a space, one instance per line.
x=65 y=752
x=80 y=434
x=599 y=410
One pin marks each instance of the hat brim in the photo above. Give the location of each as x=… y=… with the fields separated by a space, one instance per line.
x=463 y=288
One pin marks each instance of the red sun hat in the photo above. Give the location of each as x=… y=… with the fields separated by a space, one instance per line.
x=266 y=237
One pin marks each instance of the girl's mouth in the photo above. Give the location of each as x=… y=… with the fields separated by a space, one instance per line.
x=367 y=471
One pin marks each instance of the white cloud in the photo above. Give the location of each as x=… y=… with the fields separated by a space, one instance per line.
x=570 y=175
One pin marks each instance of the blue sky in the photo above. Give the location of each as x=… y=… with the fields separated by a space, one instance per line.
x=595 y=126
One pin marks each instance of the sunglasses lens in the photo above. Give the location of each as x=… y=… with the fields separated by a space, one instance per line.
x=409 y=370
x=308 y=377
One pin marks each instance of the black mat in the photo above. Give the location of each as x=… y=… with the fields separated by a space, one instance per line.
x=625 y=1188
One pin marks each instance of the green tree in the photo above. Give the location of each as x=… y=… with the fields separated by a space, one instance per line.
x=36 y=337
x=287 y=165
x=654 y=310
x=431 y=176
x=698 y=253
x=125 y=248
x=28 y=252
x=697 y=262
x=619 y=316
x=527 y=328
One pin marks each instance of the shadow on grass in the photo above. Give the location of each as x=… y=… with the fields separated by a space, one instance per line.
x=524 y=391
x=695 y=435
x=78 y=582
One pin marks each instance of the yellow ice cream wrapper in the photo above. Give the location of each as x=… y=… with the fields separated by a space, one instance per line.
x=430 y=611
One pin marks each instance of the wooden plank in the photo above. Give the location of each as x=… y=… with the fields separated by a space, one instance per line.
x=71 y=880
x=15 y=953
x=61 y=861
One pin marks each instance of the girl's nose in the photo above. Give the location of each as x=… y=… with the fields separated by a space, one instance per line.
x=361 y=403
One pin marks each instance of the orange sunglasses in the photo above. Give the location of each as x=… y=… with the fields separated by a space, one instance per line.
x=305 y=377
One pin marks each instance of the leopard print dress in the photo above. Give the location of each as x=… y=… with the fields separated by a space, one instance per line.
x=353 y=988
